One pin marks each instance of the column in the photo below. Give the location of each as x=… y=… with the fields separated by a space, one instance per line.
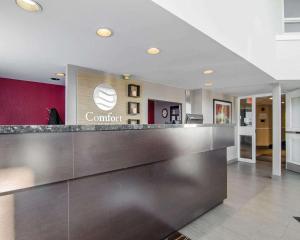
x=71 y=95
x=188 y=102
x=276 y=130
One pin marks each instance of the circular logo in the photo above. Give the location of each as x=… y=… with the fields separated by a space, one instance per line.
x=105 y=97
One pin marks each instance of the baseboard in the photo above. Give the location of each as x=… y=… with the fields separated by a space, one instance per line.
x=293 y=167
x=231 y=161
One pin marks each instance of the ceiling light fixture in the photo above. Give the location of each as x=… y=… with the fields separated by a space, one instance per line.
x=208 y=84
x=153 y=51
x=126 y=76
x=60 y=74
x=104 y=32
x=209 y=71
x=29 y=5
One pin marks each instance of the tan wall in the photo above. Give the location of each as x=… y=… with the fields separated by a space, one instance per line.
x=88 y=80
x=264 y=129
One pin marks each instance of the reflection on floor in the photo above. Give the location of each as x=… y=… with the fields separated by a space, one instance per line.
x=258 y=207
x=265 y=154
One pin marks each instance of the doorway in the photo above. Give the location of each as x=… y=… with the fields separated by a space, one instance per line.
x=264 y=129
x=246 y=129
x=255 y=128
x=293 y=130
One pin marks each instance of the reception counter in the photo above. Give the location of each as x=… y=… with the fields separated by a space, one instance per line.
x=109 y=182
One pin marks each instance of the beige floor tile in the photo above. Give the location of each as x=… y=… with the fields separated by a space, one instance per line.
x=291 y=234
x=257 y=208
x=225 y=234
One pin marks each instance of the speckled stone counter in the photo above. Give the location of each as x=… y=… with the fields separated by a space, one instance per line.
x=18 y=129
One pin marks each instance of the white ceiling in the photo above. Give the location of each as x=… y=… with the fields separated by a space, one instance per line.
x=35 y=46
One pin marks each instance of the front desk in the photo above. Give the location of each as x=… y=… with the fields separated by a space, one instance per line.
x=109 y=182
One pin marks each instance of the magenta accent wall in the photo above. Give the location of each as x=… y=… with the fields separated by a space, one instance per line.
x=26 y=103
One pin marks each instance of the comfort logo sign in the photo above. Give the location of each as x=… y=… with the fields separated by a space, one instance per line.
x=105 y=97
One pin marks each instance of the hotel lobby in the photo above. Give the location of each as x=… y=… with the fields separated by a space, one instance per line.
x=149 y=119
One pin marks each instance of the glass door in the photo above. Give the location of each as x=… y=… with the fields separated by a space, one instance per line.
x=246 y=129
x=293 y=130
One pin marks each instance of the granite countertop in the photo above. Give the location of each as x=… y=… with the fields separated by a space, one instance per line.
x=19 y=129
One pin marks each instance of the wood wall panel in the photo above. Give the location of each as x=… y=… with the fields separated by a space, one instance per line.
x=88 y=80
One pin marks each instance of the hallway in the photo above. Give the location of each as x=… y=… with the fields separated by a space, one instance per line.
x=257 y=207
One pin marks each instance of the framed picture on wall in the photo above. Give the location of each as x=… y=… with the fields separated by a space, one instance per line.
x=222 y=111
x=134 y=90
x=133 y=108
x=133 y=121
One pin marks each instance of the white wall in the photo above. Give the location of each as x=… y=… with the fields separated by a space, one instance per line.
x=207 y=106
x=202 y=99
x=207 y=109
x=196 y=101
x=164 y=93
x=288 y=55
x=202 y=102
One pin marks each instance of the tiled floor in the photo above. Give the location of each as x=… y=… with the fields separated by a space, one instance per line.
x=258 y=207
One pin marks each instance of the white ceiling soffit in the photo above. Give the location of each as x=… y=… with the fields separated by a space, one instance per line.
x=35 y=46
x=263 y=88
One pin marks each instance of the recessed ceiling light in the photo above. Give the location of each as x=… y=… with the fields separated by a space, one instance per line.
x=29 y=5
x=153 y=51
x=126 y=76
x=104 y=32
x=208 y=84
x=60 y=74
x=208 y=71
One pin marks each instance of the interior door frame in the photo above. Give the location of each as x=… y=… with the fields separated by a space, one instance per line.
x=291 y=131
x=288 y=100
x=248 y=131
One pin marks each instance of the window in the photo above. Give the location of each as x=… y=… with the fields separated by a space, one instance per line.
x=291 y=16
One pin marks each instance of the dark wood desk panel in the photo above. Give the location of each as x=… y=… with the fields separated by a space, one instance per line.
x=147 y=202
x=98 y=152
x=40 y=213
x=28 y=160
x=140 y=183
